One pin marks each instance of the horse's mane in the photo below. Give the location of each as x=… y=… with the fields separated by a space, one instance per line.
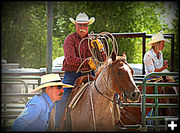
x=109 y=62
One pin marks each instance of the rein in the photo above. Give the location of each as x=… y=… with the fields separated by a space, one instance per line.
x=122 y=90
x=101 y=92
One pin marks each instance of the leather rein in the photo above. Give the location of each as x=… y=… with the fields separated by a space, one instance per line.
x=116 y=100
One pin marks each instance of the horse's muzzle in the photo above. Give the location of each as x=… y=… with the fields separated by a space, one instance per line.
x=134 y=96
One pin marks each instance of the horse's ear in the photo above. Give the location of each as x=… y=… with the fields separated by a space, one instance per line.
x=124 y=55
x=113 y=56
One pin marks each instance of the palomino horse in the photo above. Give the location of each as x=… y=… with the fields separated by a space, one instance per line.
x=94 y=110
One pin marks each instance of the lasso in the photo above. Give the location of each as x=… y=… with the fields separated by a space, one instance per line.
x=105 y=35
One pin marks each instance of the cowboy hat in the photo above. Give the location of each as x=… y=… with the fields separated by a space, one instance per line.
x=157 y=38
x=50 y=80
x=82 y=18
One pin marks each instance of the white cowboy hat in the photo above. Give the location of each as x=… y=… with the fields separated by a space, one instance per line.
x=82 y=18
x=157 y=38
x=50 y=80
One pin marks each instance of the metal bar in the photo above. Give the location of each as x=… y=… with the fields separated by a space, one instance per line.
x=19 y=94
x=143 y=52
x=144 y=95
x=22 y=78
x=49 y=36
x=172 y=53
x=162 y=95
x=12 y=106
x=159 y=74
x=143 y=107
x=166 y=35
x=160 y=117
x=150 y=105
x=5 y=117
x=162 y=84
x=156 y=108
x=126 y=35
x=23 y=73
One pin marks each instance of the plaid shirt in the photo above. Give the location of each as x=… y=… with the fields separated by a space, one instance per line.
x=72 y=60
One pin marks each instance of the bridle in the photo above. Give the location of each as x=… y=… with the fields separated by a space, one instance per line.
x=115 y=100
x=119 y=86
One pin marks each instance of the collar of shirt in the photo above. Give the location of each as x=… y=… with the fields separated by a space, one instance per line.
x=154 y=54
x=48 y=99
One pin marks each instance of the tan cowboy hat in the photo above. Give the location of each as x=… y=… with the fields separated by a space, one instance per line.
x=82 y=18
x=50 y=80
x=157 y=38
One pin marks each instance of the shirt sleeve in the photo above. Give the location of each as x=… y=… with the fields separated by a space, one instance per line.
x=70 y=53
x=148 y=62
x=30 y=114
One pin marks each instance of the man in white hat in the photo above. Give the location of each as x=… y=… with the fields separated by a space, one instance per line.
x=153 y=59
x=72 y=60
x=36 y=114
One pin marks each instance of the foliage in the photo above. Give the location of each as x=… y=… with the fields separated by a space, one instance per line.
x=24 y=27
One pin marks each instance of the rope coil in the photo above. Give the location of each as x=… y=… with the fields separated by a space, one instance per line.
x=105 y=35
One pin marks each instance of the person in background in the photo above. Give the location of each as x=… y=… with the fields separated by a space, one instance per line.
x=72 y=60
x=154 y=62
x=36 y=114
x=153 y=59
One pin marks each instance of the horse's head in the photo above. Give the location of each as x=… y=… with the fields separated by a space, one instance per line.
x=122 y=78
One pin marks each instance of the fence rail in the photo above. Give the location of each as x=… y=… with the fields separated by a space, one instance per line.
x=156 y=96
x=11 y=109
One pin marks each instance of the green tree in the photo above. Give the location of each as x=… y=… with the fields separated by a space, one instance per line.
x=24 y=27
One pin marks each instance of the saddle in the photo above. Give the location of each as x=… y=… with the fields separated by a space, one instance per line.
x=80 y=81
x=80 y=86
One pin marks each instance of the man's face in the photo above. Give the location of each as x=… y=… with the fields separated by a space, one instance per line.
x=57 y=92
x=82 y=29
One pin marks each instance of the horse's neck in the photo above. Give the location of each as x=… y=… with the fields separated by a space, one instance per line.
x=104 y=84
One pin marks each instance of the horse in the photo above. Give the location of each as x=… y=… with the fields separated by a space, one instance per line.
x=132 y=115
x=95 y=110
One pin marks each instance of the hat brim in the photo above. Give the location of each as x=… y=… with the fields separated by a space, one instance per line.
x=91 y=20
x=51 y=84
x=154 y=41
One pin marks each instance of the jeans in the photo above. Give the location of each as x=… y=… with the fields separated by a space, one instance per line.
x=69 y=78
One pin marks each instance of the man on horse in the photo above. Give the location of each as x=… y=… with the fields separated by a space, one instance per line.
x=36 y=114
x=72 y=60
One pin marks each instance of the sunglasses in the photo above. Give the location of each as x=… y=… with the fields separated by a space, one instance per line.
x=60 y=87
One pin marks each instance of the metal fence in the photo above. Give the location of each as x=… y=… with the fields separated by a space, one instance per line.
x=157 y=96
x=13 y=103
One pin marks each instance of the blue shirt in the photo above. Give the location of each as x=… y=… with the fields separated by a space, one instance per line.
x=35 y=116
